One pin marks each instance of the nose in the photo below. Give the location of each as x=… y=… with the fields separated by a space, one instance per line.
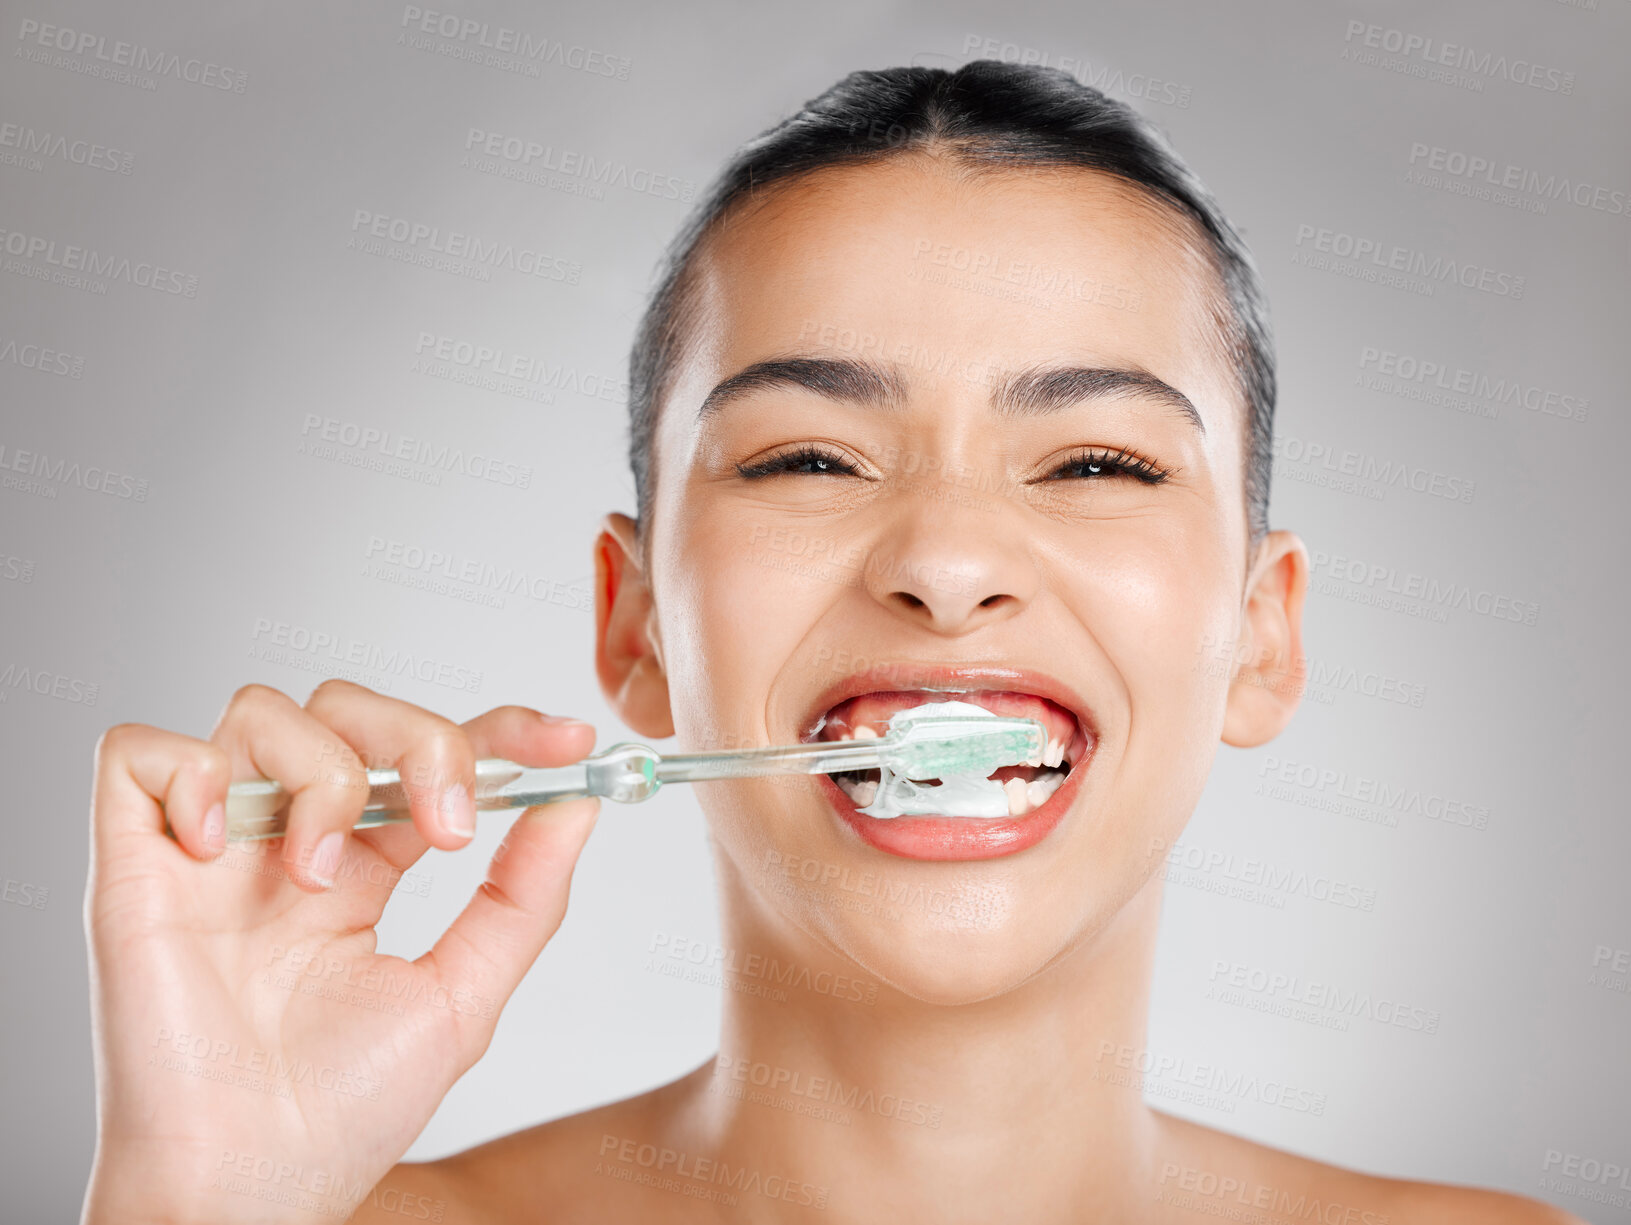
x=953 y=571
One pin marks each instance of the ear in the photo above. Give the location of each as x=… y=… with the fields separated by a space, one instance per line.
x=1269 y=669
x=628 y=647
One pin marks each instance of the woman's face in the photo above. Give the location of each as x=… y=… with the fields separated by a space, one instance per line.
x=919 y=499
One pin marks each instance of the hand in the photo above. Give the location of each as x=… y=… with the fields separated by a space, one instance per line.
x=256 y=1059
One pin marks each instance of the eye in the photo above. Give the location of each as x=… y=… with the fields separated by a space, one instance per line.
x=1097 y=463
x=805 y=460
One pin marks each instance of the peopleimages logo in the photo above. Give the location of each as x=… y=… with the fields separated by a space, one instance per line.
x=429 y=241
x=30 y=143
x=1500 y=174
x=695 y=1177
x=1347 y=1002
x=375 y=446
x=601 y=171
x=1261 y=879
x=1229 y=1084
x=1434 y=51
x=47 y=684
x=495 y=361
x=301 y=647
x=1101 y=76
x=1428 y=589
x=61 y=471
x=93 y=49
x=399 y=561
x=1584 y=1177
x=1394 y=472
x=1277 y=776
x=828 y=1090
x=1205 y=1192
x=71 y=258
x=39 y=357
x=480 y=36
x=1443 y=376
x=1373 y=257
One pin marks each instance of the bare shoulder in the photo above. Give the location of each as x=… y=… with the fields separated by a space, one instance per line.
x=1215 y=1173
x=1431 y=1201
x=572 y=1169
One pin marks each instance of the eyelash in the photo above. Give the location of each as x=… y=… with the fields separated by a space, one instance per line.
x=799 y=457
x=1118 y=462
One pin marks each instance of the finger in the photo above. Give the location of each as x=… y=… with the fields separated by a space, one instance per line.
x=265 y=732
x=432 y=755
x=498 y=936
x=515 y=733
x=147 y=777
x=529 y=737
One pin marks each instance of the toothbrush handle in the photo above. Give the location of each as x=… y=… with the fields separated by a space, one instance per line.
x=627 y=773
x=258 y=808
x=932 y=745
x=819 y=757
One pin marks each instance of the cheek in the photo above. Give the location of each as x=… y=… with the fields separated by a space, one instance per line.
x=1159 y=606
x=1153 y=605
x=738 y=610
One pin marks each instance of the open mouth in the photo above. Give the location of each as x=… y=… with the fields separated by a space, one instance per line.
x=1027 y=787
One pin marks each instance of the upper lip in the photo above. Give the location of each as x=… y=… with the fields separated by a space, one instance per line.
x=952 y=678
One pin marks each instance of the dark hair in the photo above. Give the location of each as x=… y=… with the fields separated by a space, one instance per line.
x=986 y=114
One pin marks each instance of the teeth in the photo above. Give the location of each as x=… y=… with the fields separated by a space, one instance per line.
x=865 y=732
x=860 y=793
x=1038 y=790
x=1037 y=760
x=1055 y=753
x=1019 y=801
x=1022 y=797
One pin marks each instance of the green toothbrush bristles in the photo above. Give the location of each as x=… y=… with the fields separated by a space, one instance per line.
x=934 y=748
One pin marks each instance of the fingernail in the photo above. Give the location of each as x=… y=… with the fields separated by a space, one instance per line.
x=561 y=721
x=325 y=860
x=458 y=813
x=215 y=827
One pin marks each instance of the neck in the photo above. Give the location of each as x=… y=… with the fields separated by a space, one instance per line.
x=1019 y=1107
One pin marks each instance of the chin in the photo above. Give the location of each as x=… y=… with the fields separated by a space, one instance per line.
x=955 y=974
x=935 y=937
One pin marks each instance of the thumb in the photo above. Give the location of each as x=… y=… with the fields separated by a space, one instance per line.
x=514 y=913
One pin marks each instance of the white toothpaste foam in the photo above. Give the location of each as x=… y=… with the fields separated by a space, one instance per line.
x=958 y=795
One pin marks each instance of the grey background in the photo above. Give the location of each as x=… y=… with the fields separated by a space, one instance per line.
x=156 y=601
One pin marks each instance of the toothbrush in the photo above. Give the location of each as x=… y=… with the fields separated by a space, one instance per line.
x=629 y=773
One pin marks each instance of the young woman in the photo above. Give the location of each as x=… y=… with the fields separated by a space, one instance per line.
x=958 y=387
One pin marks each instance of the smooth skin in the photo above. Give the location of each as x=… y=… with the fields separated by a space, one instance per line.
x=994 y=1008
x=184 y=934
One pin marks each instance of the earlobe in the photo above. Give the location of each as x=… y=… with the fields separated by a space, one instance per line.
x=1269 y=668
x=628 y=655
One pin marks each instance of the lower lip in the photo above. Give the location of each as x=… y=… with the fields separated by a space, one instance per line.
x=955 y=838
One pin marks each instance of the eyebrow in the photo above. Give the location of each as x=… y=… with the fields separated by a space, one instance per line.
x=1049 y=390
x=854 y=382
x=1022 y=393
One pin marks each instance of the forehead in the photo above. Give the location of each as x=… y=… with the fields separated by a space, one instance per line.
x=920 y=262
